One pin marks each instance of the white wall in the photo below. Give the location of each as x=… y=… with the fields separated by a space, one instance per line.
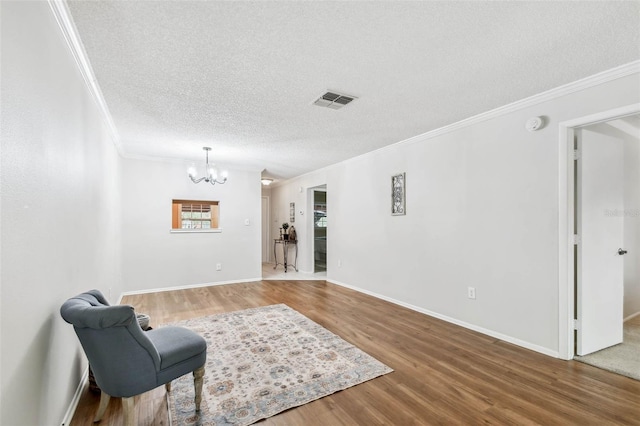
x=59 y=214
x=154 y=258
x=482 y=211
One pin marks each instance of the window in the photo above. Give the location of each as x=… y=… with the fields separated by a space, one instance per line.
x=320 y=219
x=320 y=209
x=193 y=214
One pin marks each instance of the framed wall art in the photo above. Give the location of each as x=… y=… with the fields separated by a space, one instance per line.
x=398 y=195
x=292 y=212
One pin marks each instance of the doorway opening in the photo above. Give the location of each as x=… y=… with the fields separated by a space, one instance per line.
x=319 y=229
x=571 y=221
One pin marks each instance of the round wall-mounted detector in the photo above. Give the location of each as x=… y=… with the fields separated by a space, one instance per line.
x=533 y=124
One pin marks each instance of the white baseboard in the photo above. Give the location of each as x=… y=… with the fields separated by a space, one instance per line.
x=66 y=420
x=184 y=287
x=631 y=316
x=504 y=337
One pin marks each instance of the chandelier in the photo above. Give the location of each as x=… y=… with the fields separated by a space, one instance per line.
x=210 y=172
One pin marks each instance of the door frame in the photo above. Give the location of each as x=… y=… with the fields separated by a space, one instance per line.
x=566 y=222
x=312 y=199
x=265 y=235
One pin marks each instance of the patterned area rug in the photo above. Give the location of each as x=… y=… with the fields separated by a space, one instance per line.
x=263 y=361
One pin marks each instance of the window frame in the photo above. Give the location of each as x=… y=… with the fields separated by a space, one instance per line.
x=177 y=211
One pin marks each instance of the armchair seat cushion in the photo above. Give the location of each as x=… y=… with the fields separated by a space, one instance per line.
x=181 y=351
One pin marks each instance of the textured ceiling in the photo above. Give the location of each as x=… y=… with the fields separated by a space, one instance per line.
x=241 y=77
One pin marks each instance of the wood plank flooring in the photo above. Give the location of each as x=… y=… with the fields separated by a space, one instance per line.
x=444 y=374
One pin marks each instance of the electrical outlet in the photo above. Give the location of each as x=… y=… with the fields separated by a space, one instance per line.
x=339 y=263
x=218 y=266
x=471 y=292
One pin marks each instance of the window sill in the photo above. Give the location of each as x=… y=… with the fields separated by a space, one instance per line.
x=196 y=231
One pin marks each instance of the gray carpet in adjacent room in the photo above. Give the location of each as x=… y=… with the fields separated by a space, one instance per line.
x=623 y=358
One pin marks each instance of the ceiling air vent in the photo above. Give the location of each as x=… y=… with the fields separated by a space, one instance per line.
x=333 y=100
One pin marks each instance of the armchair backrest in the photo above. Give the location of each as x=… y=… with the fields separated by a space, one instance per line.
x=123 y=359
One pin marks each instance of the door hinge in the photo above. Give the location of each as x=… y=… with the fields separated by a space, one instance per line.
x=577 y=239
x=576 y=154
x=576 y=324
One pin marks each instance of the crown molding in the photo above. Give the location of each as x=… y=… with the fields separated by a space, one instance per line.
x=70 y=33
x=576 y=86
x=557 y=92
x=186 y=162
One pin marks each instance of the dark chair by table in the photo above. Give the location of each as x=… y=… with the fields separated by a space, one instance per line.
x=127 y=361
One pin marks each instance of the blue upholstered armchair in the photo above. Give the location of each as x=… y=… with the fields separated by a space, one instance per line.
x=127 y=361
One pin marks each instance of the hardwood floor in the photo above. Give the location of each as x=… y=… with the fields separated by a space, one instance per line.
x=444 y=374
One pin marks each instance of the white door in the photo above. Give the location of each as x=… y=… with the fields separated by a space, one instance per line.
x=265 y=229
x=600 y=285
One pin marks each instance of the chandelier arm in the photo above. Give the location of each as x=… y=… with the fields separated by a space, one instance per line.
x=214 y=181
x=197 y=180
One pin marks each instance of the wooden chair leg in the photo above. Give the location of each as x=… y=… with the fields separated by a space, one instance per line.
x=129 y=411
x=167 y=386
x=198 y=376
x=104 y=402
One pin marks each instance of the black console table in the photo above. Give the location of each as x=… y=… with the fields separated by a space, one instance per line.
x=285 y=252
